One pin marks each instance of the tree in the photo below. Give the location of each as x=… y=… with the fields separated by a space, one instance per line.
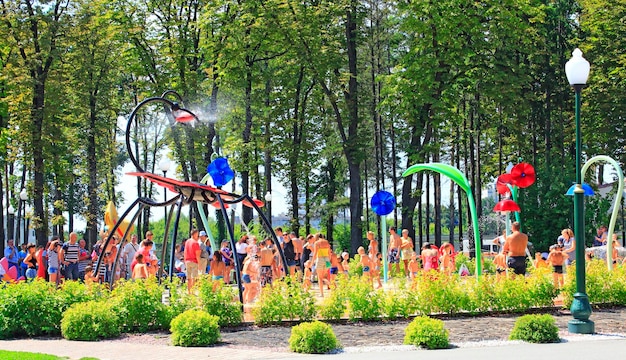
x=35 y=28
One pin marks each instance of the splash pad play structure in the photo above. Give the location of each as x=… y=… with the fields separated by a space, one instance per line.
x=187 y=193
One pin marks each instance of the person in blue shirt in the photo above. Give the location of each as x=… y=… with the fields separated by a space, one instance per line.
x=21 y=255
x=11 y=253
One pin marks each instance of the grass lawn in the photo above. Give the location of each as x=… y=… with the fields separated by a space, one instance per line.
x=21 y=355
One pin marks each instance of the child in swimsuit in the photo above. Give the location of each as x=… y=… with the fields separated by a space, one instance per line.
x=366 y=263
x=557 y=258
x=345 y=262
x=308 y=275
x=414 y=266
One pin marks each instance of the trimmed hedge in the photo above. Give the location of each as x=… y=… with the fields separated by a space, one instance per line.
x=195 y=328
x=90 y=321
x=535 y=329
x=426 y=332
x=313 y=338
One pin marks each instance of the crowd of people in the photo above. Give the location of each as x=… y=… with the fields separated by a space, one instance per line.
x=58 y=261
x=309 y=259
x=561 y=254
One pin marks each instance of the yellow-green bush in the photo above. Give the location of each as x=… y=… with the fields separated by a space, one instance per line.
x=313 y=338
x=535 y=329
x=426 y=332
x=195 y=328
x=90 y=321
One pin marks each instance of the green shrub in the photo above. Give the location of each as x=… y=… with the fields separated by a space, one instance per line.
x=29 y=309
x=333 y=307
x=313 y=338
x=138 y=306
x=535 y=329
x=223 y=302
x=364 y=302
x=195 y=328
x=286 y=299
x=179 y=298
x=426 y=332
x=90 y=321
x=399 y=302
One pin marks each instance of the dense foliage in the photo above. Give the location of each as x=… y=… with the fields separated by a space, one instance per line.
x=352 y=91
x=90 y=321
x=284 y=300
x=535 y=329
x=139 y=307
x=136 y=306
x=313 y=338
x=222 y=302
x=195 y=328
x=426 y=332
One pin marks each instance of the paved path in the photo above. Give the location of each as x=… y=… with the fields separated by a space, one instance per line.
x=586 y=347
x=110 y=350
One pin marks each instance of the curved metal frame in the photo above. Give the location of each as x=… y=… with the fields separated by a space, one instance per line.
x=177 y=202
x=616 y=204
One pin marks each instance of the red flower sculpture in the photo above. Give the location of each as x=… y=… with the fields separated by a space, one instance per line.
x=501 y=184
x=523 y=175
x=506 y=205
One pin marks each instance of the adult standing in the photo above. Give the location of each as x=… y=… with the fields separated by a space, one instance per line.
x=298 y=247
x=290 y=254
x=192 y=258
x=31 y=262
x=321 y=255
x=84 y=259
x=54 y=259
x=395 y=242
x=515 y=248
x=307 y=250
x=69 y=254
x=240 y=248
x=10 y=252
x=128 y=255
x=569 y=244
x=406 y=250
x=601 y=237
x=372 y=249
x=204 y=253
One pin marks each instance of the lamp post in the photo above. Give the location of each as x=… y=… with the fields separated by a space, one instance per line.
x=577 y=71
x=10 y=221
x=23 y=198
x=268 y=205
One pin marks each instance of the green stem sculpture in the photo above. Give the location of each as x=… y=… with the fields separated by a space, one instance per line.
x=457 y=176
x=618 y=200
x=205 y=221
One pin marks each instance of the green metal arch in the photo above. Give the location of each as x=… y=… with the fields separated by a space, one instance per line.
x=618 y=200
x=457 y=176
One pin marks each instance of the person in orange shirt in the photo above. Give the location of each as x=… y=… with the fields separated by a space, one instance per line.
x=515 y=247
x=539 y=261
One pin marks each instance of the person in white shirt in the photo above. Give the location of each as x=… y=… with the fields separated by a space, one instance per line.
x=128 y=254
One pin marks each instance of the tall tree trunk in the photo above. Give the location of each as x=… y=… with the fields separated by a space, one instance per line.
x=91 y=233
x=351 y=148
x=37 y=115
x=246 y=213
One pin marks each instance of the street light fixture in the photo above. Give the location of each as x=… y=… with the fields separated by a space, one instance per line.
x=268 y=206
x=10 y=221
x=23 y=198
x=577 y=71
